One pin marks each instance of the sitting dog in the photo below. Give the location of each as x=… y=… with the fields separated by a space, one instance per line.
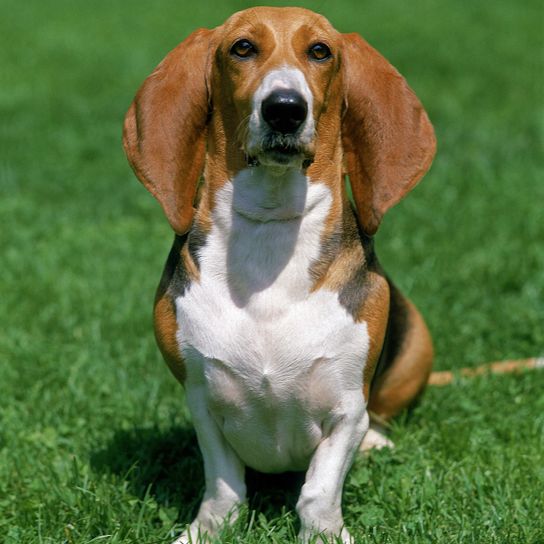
x=273 y=310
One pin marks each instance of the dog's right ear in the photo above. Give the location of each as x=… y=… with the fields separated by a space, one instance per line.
x=164 y=134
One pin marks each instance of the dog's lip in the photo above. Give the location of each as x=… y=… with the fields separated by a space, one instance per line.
x=276 y=154
x=280 y=159
x=286 y=153
x=283 y=149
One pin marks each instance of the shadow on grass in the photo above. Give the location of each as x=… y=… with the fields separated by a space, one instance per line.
x=168 y=466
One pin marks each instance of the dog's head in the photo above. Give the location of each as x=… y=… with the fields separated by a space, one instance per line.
x=277 y=86
x=273 y=72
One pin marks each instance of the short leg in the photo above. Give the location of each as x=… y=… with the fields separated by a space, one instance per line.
x=224 y=473
x=319 y=505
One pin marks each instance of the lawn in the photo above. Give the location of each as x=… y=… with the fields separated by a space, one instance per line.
x=95 y=439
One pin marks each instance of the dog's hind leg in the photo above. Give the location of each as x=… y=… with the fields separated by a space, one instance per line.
x=406 y=361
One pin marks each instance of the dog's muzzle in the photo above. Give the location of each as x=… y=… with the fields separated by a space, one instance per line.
x=284 y=113
x=281 y=126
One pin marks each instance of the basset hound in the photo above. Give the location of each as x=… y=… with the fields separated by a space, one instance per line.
x=273 y=310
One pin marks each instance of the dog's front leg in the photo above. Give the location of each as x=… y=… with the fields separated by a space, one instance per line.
x=224 y=473
x=319 y=505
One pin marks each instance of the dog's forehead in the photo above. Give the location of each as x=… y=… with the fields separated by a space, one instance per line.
x=277 y=23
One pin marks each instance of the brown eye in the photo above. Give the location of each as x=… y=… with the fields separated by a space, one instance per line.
x=319 y=51
x=243 y=49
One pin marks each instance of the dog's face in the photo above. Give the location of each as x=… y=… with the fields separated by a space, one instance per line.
x=272 y=75
x=277 y=86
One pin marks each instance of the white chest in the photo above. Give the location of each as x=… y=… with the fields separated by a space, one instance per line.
x=273 y=358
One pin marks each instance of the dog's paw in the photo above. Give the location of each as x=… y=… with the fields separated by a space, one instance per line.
x=194 y=534
x=325 y=537
x=375 y=439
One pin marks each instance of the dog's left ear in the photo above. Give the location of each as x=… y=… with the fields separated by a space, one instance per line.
x=388 y=140
x=164 y=135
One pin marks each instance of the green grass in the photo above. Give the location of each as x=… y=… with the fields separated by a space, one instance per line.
x=95 y=439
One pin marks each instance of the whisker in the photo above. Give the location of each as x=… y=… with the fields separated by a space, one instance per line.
x=242 y=131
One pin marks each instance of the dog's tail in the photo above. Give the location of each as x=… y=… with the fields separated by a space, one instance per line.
x=445 y=377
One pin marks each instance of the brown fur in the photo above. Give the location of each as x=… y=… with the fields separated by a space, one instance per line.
x=375 y=312
x=164 y=312
x=385 y=114
x=406 y=360
x=165 y=128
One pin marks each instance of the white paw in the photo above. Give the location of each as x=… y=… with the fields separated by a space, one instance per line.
x=325 y=537
x=375 y=439
x=194 y=534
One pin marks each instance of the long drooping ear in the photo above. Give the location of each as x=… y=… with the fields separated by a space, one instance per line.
x=388 y=140
x=164 y=134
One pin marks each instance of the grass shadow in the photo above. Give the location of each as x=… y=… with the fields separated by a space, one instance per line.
x=163 y=463
x=167 y=465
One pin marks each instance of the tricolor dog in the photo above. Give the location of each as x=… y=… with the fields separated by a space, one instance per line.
x=273 y=310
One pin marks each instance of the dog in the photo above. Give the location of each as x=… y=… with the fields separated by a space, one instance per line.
x=273 y=310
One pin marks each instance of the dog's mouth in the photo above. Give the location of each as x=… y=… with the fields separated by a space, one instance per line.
x=282 y=153
x=281 y=149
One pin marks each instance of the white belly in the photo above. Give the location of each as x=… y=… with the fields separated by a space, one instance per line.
x=273 y=359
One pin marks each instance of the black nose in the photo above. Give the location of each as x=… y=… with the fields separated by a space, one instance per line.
x=284 y=111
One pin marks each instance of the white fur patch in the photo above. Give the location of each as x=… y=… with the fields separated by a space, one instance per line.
x=277 y=362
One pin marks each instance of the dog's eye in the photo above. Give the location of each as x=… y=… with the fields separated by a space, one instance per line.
x=319 y=51
x=243 y=49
